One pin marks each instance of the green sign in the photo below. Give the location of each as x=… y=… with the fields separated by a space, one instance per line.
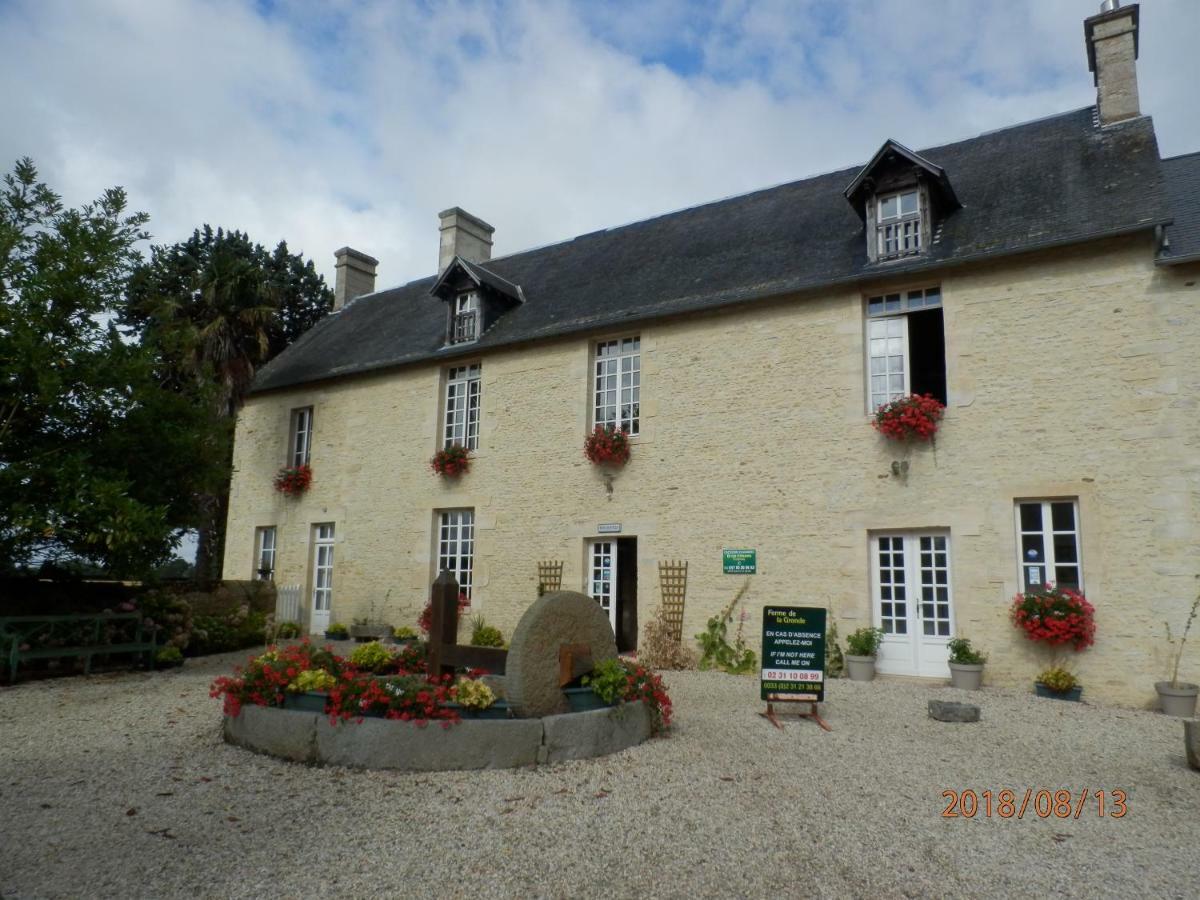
x=793 y=653
x=739 y=562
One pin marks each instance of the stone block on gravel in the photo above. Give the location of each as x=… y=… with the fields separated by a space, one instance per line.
x=953 y=711
x=595 y=733
x=388 y=744
x=1191 y=740
x=285 y=733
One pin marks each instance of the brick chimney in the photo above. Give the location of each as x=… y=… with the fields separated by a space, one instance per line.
x=461 y=234
x=1112 y=49
x=355 y=276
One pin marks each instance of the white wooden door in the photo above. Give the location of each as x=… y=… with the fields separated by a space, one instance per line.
x=322 y=595
x=910 y=584
x=602 y=586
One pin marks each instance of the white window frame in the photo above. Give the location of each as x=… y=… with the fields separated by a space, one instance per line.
x=466 y=302
x=887 y=342
x=602 y=578
x=464 y=387
x=1049 y=564
x=322 y=586
x=264 y=552
x=300 y=441
x=617 y=384
x=904 y=228
x=456 y=546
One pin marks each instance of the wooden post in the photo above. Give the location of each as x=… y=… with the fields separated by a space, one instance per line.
x=443 y=623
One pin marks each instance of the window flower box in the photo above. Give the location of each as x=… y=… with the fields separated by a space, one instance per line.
x=914 y=417
x=1055 y=616
x=452 y=461
x=293 y=480
x=607 y=446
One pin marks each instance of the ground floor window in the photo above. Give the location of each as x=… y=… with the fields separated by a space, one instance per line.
x=1048 y=538
x=910 y=582
x=264 y=553
x=456 y=546
x=322 y=581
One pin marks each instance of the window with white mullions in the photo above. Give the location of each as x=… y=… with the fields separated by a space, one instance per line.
x=935 y=586
x=464 y=326
x=301 y=436
x=893 y=591
x=265 y=554
x=322 y=596
x=906 y=346
x=456 y=546
x=618 y=384
x=899 y=224
x=463 y=387
x=1048 y=537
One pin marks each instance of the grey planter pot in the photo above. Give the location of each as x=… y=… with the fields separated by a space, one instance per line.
x=582 y=699
x=1191 y=742
x=860 y=668
x=966 y=676
x=1073 y=695
x=363 y=633
x=1179 y=700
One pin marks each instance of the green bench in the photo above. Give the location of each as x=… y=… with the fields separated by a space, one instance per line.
x=79 y=637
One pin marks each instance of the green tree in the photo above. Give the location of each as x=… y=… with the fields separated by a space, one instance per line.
x=215 y=308
x=98 y=454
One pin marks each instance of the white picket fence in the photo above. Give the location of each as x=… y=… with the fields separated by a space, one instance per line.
x=287 y=603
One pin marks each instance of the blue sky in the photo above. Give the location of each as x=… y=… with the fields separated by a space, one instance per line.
x=332 y=122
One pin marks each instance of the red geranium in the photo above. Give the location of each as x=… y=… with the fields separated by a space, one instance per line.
x=451 y=461
x=1055 y=616
x=425 y=622
x=914 y=416
x=607 y=446
x=293 y=480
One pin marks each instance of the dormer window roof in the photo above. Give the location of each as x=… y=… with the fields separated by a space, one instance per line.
x=475 y=297
x=901 y=197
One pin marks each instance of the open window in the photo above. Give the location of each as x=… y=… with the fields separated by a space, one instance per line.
x=475 y=297
x=906 y=346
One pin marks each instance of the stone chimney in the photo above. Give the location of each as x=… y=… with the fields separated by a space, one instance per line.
x=1112 y=49
x=461 y=234
x=355 y=276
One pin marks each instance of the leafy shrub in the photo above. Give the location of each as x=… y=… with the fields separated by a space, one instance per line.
x=624 y=681
x=608 y=680
x=404 y=633
x=169 y=615
x=224 y=632
x=372 y=657
x=963 y=654
x=485 y=635
x=864 y=641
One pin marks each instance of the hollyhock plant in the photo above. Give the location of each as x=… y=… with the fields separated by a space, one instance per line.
x=1055 y=616
x=906 y=418
x=293 y=480
x=606 y=446
x=452 y=461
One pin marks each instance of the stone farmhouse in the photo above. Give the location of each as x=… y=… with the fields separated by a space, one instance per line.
x=1043 y=281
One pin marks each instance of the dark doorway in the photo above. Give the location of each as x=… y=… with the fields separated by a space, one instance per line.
x=627 y=618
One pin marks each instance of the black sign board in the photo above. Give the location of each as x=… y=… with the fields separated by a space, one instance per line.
x=793 y=653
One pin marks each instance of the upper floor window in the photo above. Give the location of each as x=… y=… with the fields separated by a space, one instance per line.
x=618 y=384
x=462 y=406
x=906 y=345
x=464 y=327
x=898 y=224
x=265 y=553
x=300 y=442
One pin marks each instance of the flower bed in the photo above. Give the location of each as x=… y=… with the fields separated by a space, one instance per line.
x=606 y=446
x=1055 y=616
x=617 y=681
x=907 y=418
x=293 y=480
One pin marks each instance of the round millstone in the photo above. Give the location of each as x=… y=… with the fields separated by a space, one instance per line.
x=531 y=671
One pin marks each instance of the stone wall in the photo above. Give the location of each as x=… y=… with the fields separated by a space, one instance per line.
x=1071 y=374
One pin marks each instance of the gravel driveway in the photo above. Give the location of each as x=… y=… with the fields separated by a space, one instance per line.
x=120 y=786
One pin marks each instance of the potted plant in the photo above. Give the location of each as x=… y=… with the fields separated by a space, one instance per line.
x=293 y=480
x=452 y=461
x=373 y=657
x=861 y=647
x=168 y=657
x=966 y=665
x=475 y=700
x=616 y=681
x=337 y=632
x=404 y=635
x=914 y=417
x=1055 y=616
x=607 y=446
x=485 y=635
x=1178 y=698
x=1058 y=683
x=362 y=631
x=309 y=691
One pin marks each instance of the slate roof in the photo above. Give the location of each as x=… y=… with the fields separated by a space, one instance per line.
x=1181 y=176
x=1054 y=181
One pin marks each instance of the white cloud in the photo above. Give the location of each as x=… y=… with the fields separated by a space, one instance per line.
x=355 y=123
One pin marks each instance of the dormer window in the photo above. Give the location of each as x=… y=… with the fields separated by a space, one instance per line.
x=899 y=224
x=465 y=327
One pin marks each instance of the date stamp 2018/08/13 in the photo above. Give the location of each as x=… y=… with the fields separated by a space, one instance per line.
x=1045 y=804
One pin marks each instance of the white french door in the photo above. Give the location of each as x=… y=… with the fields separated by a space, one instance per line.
x=322 y=594
x=602 y=585
x=911 y=594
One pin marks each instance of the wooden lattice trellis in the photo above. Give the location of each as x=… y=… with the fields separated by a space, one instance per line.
x=672 y=582
x=549 y=575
